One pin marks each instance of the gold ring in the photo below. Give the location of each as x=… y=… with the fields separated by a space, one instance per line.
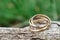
x=39 y=22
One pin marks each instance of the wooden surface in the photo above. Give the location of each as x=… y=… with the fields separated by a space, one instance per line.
x=53 y=33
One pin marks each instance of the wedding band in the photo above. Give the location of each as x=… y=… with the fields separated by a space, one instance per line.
x=39 y=22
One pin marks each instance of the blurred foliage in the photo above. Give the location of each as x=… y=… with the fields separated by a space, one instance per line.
x=18 y=11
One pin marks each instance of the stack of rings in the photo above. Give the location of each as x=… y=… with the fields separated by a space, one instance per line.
x=39 y=22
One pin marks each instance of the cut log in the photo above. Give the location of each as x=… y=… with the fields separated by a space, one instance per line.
x=53 y=33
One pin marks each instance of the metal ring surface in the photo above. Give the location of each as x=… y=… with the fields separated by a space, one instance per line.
x=44 y=18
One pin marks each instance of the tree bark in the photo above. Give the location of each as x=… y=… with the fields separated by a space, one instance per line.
x=53 y=33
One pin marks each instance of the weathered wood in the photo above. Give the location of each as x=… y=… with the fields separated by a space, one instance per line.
x=53 y=33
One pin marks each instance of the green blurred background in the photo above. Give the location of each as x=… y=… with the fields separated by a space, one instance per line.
x=14 y=12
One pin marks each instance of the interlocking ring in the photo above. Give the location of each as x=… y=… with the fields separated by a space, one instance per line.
x=39 y=22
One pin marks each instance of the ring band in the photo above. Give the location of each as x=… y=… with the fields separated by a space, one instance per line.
x=39 y=18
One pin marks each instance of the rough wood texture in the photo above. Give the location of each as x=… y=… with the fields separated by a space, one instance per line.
x=53 y=33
